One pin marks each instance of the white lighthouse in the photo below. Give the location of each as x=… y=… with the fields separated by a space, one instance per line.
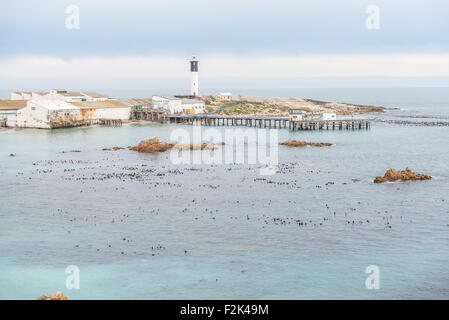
x=194 y=78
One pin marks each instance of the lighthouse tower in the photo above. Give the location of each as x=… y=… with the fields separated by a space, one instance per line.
x=194 y=78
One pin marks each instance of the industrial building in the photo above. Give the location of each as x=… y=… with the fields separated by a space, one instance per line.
x=48 y=114
x=170 y=103
x=98 y=110
x=178 y=105
x=56 y=94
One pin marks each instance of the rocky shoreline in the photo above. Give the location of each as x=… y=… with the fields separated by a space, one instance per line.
x=55 y=296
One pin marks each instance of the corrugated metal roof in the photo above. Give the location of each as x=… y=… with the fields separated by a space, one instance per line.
x=94 y=94
x=72 y=94
x=191 y=101
x=169 y=97
x=99 y=104
x=12 y=104
x=53 y=104
x=137 y=102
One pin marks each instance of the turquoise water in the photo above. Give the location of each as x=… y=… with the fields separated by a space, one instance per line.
x=138 y=226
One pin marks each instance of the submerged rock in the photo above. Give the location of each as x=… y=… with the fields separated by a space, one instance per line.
x=55 y=296
x=407 y=174
x=12 y=155
x=296 y=143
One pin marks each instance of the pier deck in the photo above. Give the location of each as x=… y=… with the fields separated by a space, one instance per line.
x=271 y=122
x=251 y=121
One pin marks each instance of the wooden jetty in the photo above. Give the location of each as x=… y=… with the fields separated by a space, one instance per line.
x=149 y=114
x=111 y=122
x=271 y=122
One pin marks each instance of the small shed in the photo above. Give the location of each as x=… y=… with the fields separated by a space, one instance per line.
x=295 y=114
x=224 y=96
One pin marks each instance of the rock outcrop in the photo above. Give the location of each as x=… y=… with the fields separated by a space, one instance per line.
x=55 y=296
x=154 y=145
x=407 y=174
x=195 y=146
x=296 y=143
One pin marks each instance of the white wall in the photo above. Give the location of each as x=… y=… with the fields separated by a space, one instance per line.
x=106 y=113
x=10 y=116
x=197 y=107
x=36 y=115
x=33 y=116
x=171 y=105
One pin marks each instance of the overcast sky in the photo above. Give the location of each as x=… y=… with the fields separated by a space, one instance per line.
x=136 y=43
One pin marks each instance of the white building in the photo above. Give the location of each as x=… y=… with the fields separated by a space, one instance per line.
x=48 y=114
x=194 y=77
x=193 y=106
x=175 y=105
x=172 y=104
x=56 y=94
x=97 y=110
x=296 y=114
x=224 y=96
x=8 y=111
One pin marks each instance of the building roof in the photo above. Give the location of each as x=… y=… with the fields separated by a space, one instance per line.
x=67 y=93
x=94 y=94
x=12 y=104
x=99 y=104
x=168 y=97
x=191 y=101
x=71 y=94
x=53 y=104
x=225 y=94
x=137 y=101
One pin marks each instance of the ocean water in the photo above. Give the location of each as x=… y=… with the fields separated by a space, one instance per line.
x=139 y=226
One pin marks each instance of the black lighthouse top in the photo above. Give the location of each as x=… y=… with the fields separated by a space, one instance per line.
x=193 y=65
